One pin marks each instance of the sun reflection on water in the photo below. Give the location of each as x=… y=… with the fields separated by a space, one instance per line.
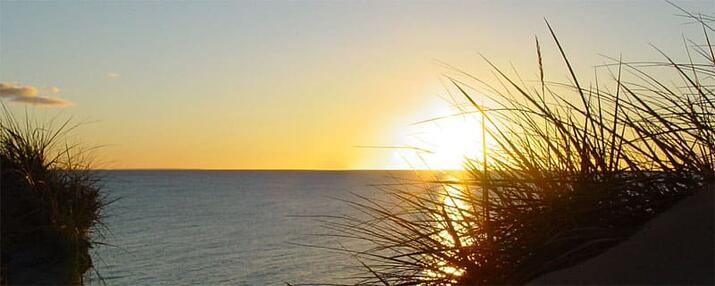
x=453 y=223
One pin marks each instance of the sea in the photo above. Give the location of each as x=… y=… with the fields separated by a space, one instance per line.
x=195 y=227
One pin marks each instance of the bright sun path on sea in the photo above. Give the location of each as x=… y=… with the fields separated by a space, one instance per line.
x=457 y=211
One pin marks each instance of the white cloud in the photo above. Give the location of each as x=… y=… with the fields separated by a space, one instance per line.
x=29 y=94
x=113 y=75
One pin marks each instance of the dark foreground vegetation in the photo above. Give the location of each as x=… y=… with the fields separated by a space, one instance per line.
x=576 y=168
x=51 y=206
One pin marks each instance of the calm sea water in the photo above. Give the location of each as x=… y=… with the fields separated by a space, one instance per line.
x=225 y=227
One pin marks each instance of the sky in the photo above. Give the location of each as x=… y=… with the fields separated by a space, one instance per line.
x=292 y=84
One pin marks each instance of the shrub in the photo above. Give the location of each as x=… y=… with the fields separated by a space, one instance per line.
x=51 y=205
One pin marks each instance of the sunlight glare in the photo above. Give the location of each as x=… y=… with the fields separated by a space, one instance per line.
x=444 y=143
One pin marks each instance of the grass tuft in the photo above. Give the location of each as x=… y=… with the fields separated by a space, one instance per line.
x=51 y=204
x=566 y=180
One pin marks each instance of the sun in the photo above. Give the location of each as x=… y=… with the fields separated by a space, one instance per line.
x=444 y=143
x=451 y=141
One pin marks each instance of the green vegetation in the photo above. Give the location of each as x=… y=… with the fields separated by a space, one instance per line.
x=51 y=205
x=577 y=168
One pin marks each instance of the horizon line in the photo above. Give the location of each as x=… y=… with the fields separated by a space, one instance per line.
x=263 y=169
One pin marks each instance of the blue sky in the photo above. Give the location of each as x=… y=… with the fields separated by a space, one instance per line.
x=239 y=84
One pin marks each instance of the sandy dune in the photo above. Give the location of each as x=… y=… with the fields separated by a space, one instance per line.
x=675 y=248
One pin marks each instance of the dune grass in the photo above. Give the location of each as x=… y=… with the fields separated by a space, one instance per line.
x=51 y=204
x=578 y=168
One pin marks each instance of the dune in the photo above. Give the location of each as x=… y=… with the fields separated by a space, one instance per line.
x=674 y=248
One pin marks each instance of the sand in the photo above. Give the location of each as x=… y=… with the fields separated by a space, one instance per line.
x=675 y=248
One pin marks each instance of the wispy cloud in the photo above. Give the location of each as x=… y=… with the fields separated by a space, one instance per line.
x=43 y=101
x=113 y=75
x=29 y=94
x=52 y=89
x=8 y=89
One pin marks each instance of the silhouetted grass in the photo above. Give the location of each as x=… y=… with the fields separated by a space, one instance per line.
x=51 y=204
x=577 y=169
